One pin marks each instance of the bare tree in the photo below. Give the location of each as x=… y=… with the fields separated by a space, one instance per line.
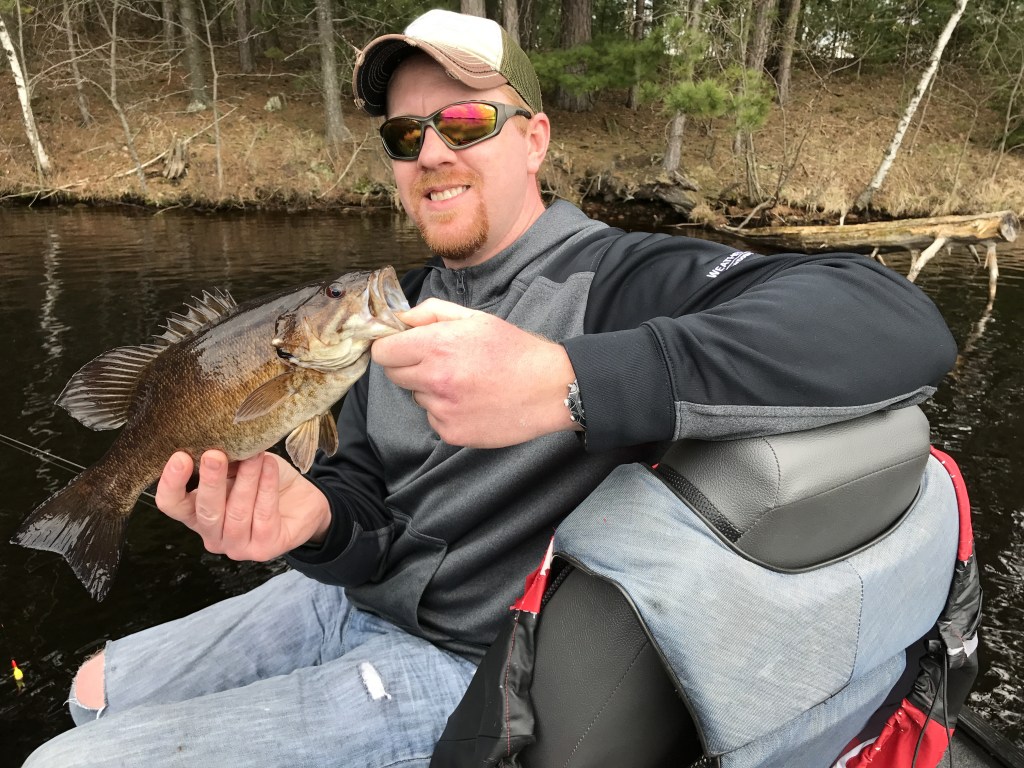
x=83 y=105
x=790 y=11
x=112 y=93
x=474 y=7
x=864 y=200
x=336 y=130
x=198 y=98
x=21 y=83
x=577 y=24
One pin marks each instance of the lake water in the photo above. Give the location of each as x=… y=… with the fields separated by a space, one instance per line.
x=76 y=282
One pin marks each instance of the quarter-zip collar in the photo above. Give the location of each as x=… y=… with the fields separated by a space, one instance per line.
x=485 y=285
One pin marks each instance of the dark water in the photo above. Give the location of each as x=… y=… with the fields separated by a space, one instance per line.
x=76 y=282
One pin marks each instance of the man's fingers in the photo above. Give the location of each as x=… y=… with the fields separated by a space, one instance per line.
x=237 y=527
x=172 y=497
x=210 y=496
x=266 y=522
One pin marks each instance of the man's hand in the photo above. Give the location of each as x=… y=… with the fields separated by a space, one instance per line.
x=483 y=382
x=256 y=509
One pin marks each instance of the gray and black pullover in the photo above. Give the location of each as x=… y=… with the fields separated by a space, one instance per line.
x=670 y=337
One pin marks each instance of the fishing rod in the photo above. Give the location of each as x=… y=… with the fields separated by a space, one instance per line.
x=52 y=458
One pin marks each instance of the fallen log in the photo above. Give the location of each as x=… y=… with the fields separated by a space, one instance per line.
x=912 y=235
x=903 y=234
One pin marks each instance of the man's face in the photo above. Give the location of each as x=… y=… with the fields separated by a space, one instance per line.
x=468 y=203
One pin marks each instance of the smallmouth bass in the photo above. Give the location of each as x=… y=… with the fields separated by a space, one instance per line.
x=221 y=375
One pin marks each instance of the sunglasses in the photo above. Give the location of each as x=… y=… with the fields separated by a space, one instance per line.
x=459 y=125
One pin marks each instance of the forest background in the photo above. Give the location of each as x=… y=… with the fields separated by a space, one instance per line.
x=710 y=110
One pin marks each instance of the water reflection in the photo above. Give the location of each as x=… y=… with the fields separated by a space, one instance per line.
x=78 y=282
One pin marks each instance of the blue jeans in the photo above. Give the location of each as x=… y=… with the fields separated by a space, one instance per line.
x=289 y=674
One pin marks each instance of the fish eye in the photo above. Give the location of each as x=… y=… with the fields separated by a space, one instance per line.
x=334 y=290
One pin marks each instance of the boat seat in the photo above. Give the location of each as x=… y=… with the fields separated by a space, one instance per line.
x=803 y=499
x=601 y=695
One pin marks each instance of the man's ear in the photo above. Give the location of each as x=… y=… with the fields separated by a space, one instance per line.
x=538 y=136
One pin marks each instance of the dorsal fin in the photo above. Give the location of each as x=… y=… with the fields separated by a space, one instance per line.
x=100 y=393
x=205 y=311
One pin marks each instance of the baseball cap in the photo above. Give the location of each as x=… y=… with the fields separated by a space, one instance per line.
x=472 y=49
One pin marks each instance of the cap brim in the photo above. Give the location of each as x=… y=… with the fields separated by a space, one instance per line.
x=378 y=61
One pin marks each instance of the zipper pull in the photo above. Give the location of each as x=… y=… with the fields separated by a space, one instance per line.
x=460 y=282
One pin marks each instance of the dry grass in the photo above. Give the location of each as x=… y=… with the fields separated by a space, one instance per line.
x=817 y=153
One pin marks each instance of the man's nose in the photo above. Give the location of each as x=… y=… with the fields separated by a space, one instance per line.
x=434 y=151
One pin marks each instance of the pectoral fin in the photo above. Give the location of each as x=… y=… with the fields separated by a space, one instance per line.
x=262 y=400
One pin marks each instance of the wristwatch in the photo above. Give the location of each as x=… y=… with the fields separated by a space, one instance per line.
x=574 y=402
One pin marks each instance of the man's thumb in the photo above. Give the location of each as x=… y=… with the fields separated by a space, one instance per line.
x=435 y=311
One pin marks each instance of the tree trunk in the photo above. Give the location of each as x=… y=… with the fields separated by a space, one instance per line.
x=198 y=98
x=674 y=149
x=170 y=30
x=246 y=64
x=636 y=32
x=112 y=95
x=864 y=201
x=790 y=25
x=474 y=7
x=760 y=34
x=576 y=30
x=336 y=130
x=510 y=18
x=76 y=73
x=216 y=115
x=20 y=81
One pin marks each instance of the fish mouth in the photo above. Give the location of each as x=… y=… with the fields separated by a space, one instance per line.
x=386 y=298
x=382 y=299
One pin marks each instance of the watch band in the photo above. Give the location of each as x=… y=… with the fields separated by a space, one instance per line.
x=574 y=402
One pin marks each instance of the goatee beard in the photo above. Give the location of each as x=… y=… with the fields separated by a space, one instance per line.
x=463 y=244
x=459 y=248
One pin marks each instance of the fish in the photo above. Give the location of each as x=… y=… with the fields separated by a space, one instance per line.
x=236 y=377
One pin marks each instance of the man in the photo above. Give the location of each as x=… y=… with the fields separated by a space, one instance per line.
x=457 y=457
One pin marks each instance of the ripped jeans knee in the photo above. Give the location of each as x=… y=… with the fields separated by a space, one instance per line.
x=80 y=713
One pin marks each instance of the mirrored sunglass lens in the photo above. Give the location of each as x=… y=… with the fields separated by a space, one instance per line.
x=402 y=137
x=466 y=123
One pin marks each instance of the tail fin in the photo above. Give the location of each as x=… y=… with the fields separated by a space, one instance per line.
x=86 y=523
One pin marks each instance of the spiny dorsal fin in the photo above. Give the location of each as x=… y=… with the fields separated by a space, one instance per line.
x=100 y=393
x=204 y=312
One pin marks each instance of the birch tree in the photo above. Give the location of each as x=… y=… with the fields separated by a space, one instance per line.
x=864 y=200
x=21 y=83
